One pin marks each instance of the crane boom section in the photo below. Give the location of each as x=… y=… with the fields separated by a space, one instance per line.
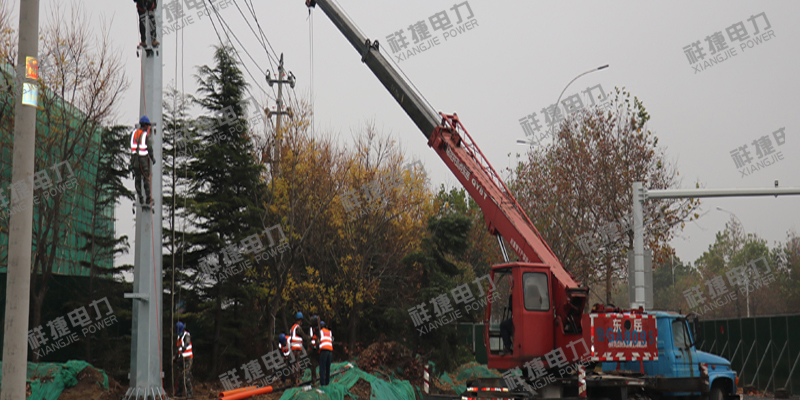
x=503 y=214
x=423 y=116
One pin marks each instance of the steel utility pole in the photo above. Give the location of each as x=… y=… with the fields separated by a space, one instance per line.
x=146 y=377
x=280 y=81
x=641 y=194
x=20 y=234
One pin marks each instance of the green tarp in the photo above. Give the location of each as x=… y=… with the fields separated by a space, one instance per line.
x=48 y=380
x=342 y=383
x=391 y=389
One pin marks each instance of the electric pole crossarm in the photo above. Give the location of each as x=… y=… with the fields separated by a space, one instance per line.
x=423 y=116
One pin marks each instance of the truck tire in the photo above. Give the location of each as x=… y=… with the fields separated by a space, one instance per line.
x=716 y=393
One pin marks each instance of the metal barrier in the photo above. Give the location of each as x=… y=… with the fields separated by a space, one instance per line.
x=765 y=351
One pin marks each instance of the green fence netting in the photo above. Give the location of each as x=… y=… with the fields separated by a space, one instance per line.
x=48 y=380
x=341 y=384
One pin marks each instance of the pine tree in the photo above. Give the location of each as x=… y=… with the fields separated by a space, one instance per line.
x=225 y=193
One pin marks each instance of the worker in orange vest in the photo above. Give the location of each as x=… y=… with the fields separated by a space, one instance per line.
x=325 y=354
x=186 y=357
x=296 y=338
x=286 y=352
x=141 y=159
x=313 y=349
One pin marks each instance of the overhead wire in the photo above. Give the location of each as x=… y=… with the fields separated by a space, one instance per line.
x=252 y=9
x=172 y=227
x=261 y=39
x=311 y=68
x=236 y=53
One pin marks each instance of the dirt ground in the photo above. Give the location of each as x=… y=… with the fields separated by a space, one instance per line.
x=392 y=358
x=89 y=387
x=362 y=389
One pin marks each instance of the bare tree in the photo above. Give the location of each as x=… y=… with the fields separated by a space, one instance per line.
x=79 y=91
x=580 y=187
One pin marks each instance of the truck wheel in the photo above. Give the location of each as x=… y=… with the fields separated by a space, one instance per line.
x=716 y=393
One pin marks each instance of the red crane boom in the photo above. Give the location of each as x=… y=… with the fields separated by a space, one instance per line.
x=448 y=137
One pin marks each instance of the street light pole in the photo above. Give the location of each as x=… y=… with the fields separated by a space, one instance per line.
x=570 y=83
x=746 y=277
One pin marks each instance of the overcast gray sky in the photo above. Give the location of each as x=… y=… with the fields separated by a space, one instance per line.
x=515 y=60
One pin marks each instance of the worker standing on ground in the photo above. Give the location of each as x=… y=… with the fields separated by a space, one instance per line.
x=146 y=10
x=313 y=349
x=141 y=160
x=186 y=357
x=286 y=352
x=297 y=337
x=325 y=354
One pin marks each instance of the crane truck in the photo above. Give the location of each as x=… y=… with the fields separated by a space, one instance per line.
x=557 y=350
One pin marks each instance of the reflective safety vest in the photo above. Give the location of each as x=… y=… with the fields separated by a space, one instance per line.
x=139 y=142
x=187 y=351
x=312 y=336
x=296 y=339
x=284 y=350
x=325 y=339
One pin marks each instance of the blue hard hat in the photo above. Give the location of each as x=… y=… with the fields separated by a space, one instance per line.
x=282 y=338
x=179 y=326
x=144 y=120
x=299 y=315
x=321 y=324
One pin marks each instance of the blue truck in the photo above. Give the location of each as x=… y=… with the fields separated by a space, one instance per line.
x=666 y=365
x=681 y=369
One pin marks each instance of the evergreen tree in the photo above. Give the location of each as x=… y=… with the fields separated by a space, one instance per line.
x=224 y=200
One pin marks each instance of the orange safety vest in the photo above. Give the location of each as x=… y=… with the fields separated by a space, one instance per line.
x=313 y=337
x=187 y=352
x=285 y=351
x=296 y=339
x=325 y=339
x=139 y=142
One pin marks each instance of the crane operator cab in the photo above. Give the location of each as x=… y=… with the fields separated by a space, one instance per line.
x=519 y=322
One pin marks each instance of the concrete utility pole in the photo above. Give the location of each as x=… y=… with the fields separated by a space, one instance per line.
x=146 y=377
x=280 y=81
x=641 y=194
x=20 y=234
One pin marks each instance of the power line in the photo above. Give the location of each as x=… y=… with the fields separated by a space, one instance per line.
x=236 y=53
x=224 y=25
x=252 y=9
x=261 y=38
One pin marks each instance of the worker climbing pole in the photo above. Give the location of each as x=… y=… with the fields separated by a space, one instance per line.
x=146 y=377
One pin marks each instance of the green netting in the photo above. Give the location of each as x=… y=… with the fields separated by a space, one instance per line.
x=340 y=386
x=465 y=373
x=48 y=380
x=476 y=371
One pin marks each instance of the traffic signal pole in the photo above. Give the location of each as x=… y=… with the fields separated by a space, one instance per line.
x=642 y=194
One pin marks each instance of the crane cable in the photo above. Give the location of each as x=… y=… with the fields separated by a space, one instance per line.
x=311 y=66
